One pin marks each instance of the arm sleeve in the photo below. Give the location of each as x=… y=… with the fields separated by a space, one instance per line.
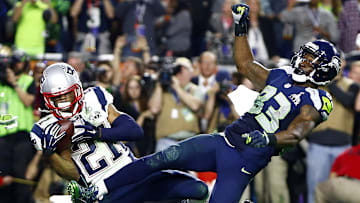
x=346 y=98
x=124 y=128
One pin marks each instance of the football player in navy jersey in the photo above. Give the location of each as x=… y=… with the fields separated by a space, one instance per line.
x=97 y=152
x=288 y=107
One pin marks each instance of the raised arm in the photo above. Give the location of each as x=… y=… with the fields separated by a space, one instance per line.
x=76 y=8
x=243 y=57
x=119 y=45
x=18 y=10
x=54 y=15
x=109 y=9
x=246 y=65
x=155 y=101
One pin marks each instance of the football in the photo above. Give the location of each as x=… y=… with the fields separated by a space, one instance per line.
x=65 y=142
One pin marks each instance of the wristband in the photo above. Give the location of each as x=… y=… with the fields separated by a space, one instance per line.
x=241 y=29
x=272 y=139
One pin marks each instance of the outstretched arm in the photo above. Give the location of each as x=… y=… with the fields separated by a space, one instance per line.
x=242 y=53
x=123 y=128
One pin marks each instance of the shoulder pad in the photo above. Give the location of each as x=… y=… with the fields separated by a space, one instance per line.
x=96 y=102
x=322 y=101
x=288 y=69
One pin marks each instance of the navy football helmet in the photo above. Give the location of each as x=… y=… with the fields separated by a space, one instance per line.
x=326 y=63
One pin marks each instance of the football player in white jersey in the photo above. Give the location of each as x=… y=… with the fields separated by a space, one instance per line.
x=96 y=153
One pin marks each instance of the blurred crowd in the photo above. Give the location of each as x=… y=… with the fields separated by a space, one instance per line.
x=168 y=64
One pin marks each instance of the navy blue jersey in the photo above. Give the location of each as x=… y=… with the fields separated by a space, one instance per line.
x=278 y=105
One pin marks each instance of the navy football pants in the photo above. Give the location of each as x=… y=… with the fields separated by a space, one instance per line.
x=160 y=186
x=207 y=152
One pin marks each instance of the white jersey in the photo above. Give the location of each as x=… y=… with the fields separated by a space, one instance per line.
x=95 y=160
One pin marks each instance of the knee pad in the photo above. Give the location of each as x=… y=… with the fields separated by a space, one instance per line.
x=162 y=159
x=172 y=153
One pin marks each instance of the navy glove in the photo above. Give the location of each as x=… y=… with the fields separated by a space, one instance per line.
x=240 y=14
x=85 y=132
x=51 y=137
x=258 y=139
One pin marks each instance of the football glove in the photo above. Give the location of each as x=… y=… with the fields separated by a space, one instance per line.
x=51 y=137
x=240 y=14
x=258 y=139
x=85 y=132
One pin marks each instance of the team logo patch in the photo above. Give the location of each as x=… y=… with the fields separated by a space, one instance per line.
x=95 y=115
x=327 y=106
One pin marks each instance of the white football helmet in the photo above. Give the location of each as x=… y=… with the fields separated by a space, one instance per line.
x=57 y=80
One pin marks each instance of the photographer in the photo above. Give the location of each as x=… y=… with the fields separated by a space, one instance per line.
x=17 y=93
x=104 y=75
x=223 y=109
x=176 y=105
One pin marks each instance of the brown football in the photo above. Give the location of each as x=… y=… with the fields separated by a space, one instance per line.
x=65 y=142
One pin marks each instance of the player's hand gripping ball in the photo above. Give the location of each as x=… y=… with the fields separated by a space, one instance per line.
x=64 y=143
x=57 y=137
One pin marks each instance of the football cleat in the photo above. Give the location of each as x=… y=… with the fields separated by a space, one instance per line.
x=81 y=194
